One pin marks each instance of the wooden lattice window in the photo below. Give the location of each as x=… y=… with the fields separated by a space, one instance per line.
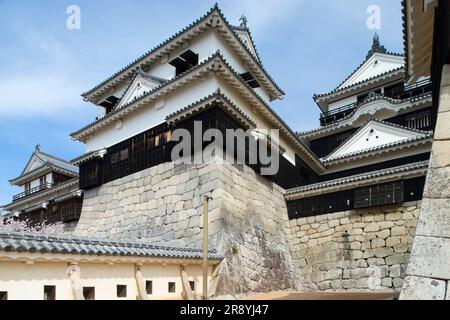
x=419 y=121
x=377 y=195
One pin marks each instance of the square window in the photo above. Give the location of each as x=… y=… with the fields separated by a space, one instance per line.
x=49 y=293
x=172 y=287
x=149 y=287
x=3 y=295
x=121 y=291
x=89 y=293
x=192 y=284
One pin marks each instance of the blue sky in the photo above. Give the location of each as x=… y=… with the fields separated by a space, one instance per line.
x=307 y=46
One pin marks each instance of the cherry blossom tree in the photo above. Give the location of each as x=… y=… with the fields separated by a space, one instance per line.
x=14 y=225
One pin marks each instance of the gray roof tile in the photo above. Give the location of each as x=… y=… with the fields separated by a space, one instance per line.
x=28 y=242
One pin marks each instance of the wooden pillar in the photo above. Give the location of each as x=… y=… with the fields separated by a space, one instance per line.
x=73 y=270
x=140 y=282
x=186 y=285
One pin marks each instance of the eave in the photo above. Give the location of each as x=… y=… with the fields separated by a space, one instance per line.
x=88 y=156
x=38 y=172
x=407 y=171
x=215 y=64
x=418 y=30
x=214 y=19
x=336 y=94
x=214 y=99
x=348 y=122
x=16 y=246
x=42 y=196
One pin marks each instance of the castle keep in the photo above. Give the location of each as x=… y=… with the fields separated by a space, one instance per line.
x=340 y=213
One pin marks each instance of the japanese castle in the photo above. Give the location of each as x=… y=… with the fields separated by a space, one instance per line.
x=371 y=148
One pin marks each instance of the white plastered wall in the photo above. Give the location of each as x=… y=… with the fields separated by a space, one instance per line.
x=26 y=281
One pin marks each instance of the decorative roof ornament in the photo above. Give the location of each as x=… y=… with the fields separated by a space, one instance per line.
x=37 y=147
x=376 y=46
x=243 y=19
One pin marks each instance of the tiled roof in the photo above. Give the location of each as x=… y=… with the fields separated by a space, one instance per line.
x=72 y=183
x=360 y=177
x=337 y=89
x=146 y=94
x=61 y=163
x=87 y=156
x=215 y=7
x=28 y=242
x=48 y=162
x=217 y=55
x=370 y=99
x=376 y=48
x=217 y=96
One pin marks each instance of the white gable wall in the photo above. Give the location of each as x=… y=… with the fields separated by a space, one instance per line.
x=374 y=134
x=378 y=64
x=149 y=116
x=204 y=45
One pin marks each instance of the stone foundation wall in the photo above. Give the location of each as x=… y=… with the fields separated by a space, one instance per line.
x=163 y=205
x=355 y=250
x=428 y=274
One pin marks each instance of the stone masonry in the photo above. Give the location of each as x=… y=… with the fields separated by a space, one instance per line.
x=163 y=205
x=428 y=274
x=365 y=249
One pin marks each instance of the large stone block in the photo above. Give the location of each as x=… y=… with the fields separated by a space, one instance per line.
x=440 y=155
x=419 y=288
x=434 y=219
x=442 y=131
x=430 y=257
x=437 y=184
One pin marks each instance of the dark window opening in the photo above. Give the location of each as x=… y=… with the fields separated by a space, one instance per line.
x=250 y=80
x=3 y=295
x=109 y=103
x=121 y=291
x=378 y=195
x=172 y=287
x=370 y=196
x=119 y=156
x=184 y=62
x=192 y=285
x=149 y=286
x=89 y=293
x=419 y=121
x=49 y=292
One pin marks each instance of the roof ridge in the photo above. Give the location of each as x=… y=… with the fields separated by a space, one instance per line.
x=52 y=156
x=217 y=8
x=338 y=89
x=152 y=50
x=23 y=236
